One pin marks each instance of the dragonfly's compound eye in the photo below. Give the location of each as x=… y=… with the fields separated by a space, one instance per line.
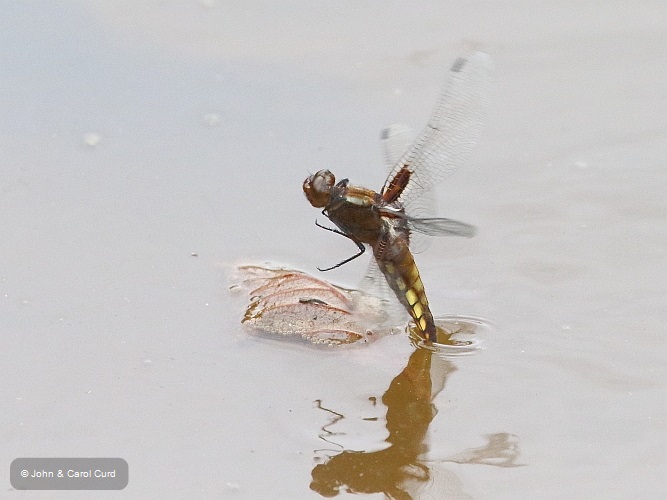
x=318 y=188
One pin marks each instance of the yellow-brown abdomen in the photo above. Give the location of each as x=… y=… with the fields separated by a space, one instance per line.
x=398 y=265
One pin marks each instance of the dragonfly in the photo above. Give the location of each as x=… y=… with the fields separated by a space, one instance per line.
x=386 y=221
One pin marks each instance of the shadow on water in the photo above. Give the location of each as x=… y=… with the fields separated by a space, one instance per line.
x=400 y=470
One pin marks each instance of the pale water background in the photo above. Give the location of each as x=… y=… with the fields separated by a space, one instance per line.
x=135 y=134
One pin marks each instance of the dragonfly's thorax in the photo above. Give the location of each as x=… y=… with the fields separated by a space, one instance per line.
x=356 y=211
x=356 y=195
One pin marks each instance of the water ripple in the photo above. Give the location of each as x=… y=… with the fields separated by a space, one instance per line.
x=458 y=335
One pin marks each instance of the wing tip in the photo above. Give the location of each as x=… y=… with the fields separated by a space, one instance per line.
x=458 y=64
x=477 y=56
x=393 y=130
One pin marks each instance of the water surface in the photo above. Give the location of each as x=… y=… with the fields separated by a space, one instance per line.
x=148 y=148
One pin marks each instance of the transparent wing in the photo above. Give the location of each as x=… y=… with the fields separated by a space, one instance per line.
x=452 y=131
x=441 y=227
x=394 y=142
x=374 y=284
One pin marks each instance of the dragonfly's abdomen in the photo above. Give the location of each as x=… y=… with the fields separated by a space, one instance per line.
x=398 y=265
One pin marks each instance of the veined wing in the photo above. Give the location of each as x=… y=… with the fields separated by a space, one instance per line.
x=375 y=285
x=394 y=141
x=433 y=226
x=452 y=131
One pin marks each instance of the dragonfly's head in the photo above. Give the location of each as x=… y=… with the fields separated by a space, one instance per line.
x=317 y=188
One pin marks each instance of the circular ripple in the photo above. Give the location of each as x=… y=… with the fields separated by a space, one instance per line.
x=457 y=335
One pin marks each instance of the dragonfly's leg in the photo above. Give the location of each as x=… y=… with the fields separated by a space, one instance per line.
x=360 y=246
x=331 y=229
x=361 y=252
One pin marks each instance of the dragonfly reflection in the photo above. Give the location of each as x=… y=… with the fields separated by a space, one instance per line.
x=402 y=469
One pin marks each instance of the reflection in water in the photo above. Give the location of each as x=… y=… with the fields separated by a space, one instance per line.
x=400 y=471
x=502 y=450
x=409 y=413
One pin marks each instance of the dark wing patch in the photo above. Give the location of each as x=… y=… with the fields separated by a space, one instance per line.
x=394 y=188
